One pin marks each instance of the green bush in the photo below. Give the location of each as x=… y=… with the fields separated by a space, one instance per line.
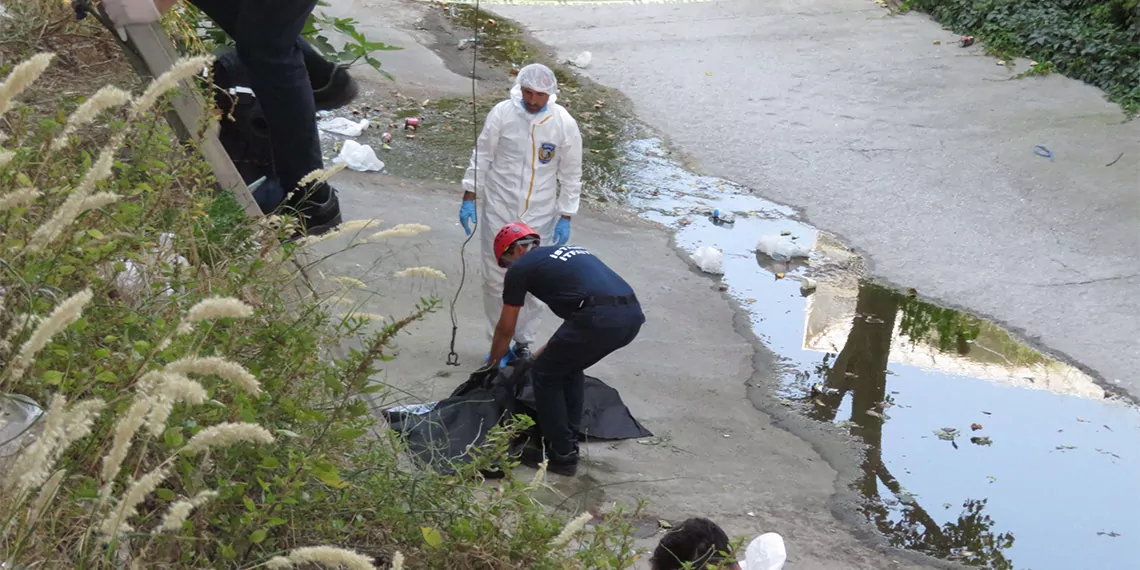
x=196 y=416
x=1096 y=41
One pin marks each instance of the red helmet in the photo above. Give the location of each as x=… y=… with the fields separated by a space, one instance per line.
x=507 y=236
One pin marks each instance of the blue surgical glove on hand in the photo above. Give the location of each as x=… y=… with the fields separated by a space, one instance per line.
x=562 y=231
x=467 y=215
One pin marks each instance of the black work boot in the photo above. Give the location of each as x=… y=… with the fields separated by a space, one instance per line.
x=317 y=218
x=340 y=90
x=565 y=465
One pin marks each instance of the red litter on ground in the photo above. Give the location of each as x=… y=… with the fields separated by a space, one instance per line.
x=966 y=41
x=411 y=123
x=386 y=138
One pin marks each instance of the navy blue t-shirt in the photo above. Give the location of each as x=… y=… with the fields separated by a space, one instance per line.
x=561 y=277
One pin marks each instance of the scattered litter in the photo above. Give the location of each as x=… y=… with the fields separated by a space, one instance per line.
x=1001 y=62
x=966 y=41
x=386 y=138
x=785 y=233
x=781 y=248
x=946 y=434
x=359 y=157
x=581 y=60
x=1042 y=151
x=818 y=389
x=1110 y=534
x=726 y=436
x=343 y=126
x=807 y=286
x=710 y=259
x=975 y=427
x=386 y=146
x=780 y=275
x=411 y=123
x=981 y=441
x=462 y=45
x=766 y=552
x=751 y=514
x=873 y=413
x=987 y=413
x=937 y=42
x=722 y=217
x=664 y=523
x=135 y=278
x=991 y=479
x=17 y=414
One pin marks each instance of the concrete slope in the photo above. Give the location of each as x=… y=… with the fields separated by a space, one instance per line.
x=714 y=455
x=920 y=155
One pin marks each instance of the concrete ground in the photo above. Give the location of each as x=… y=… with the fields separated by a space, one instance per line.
x=919 y=155
x=684 y=378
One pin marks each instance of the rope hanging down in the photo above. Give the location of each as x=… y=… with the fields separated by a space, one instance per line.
x=452 y=356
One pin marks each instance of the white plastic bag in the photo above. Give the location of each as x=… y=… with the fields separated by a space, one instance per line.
x=581 y=60
x=343 y=126
x=17 y=414
x=358 y=157
x=781 y=248
x=765 y=552
x=710 y=259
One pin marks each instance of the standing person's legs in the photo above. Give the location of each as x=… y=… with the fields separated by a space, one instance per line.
x=559 y=378
x=267 y=36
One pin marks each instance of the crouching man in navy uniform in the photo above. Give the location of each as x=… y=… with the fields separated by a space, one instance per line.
x=600 y=313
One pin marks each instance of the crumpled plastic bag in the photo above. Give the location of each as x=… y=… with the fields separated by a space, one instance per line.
x=581 y=60
x=781 y=248
x=136 y=277
x=343 y=126
x=709 y=259
x=358 y=157
x=765 y=552
x=17 y=413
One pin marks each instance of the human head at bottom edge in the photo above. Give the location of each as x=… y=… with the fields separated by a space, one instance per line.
x=698 y=542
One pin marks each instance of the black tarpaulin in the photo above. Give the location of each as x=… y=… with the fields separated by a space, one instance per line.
x=442 y=434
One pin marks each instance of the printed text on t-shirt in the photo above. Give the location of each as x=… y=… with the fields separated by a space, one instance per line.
x=566 y=252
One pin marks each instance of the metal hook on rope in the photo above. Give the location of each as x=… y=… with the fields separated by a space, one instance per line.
x=452 y=356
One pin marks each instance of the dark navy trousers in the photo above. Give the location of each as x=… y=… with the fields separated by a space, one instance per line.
x=558 y=373
x=266 y=34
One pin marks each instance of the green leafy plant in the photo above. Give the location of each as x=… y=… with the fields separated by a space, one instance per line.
x=1096 y=41
x=196 y=413
x=195 y=28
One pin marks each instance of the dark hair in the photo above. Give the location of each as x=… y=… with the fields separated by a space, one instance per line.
x=697 y=540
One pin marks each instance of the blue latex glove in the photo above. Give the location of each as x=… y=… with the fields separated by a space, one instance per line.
x=562 y=231
x=504 y=360
x=467 y=215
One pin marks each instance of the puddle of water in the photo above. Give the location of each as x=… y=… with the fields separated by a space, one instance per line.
x=979 y=449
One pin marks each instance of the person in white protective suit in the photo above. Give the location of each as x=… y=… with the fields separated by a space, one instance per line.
x=526 y=167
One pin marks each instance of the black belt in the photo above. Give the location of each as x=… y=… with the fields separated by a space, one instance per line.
x=607 y=301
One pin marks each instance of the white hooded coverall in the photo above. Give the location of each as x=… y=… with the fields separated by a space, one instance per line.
x=523 y=159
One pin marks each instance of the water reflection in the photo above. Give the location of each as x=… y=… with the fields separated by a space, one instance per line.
x=860 y=370
x=972 y=438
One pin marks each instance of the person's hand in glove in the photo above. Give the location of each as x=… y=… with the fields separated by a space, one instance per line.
x=562 y=231
x=467 y=215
